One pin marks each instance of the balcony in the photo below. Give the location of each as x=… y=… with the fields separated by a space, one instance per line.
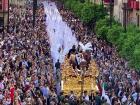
x=108 y=1
x=133 y=4
x=3 y=5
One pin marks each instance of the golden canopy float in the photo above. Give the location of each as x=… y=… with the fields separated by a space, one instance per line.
x=79 y=80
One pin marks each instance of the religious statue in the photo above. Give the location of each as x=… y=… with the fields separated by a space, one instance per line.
x=78 y=63
x=81 y=56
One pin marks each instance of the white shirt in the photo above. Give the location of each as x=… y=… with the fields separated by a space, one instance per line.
x=124 y=99
x=1 y=86
x=1 y=96
x=0 y=69
x=87 y=98
x=14 y=57
x=135 y=96
x=25 y=63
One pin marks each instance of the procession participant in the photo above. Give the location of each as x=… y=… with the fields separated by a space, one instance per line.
x=92 y=97
x=86 y=97
x=57 y=65
x=72 y=51
x=73 y=60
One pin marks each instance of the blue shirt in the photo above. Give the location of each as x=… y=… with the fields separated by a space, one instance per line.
x=45 y=91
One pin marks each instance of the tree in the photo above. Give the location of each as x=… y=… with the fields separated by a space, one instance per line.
x=135 y=61
x=114 y=34
x=77 y=9
x=102 y=28
x=87 y=13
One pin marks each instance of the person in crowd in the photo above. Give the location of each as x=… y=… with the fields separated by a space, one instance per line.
x=57 y=65
x=86 y=97
x=92 y=97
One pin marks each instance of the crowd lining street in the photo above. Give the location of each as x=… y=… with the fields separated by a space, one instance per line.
x=26 y=66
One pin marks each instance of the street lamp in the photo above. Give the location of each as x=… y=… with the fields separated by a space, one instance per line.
x=124 y=14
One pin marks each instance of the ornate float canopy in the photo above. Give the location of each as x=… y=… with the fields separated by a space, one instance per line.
x=71 y=80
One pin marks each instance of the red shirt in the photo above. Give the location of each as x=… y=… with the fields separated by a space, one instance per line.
x=12 y=90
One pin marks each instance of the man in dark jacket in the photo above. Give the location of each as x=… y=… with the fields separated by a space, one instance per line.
x=57 y=65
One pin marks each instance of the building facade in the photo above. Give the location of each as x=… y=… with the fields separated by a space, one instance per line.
x=132 y=11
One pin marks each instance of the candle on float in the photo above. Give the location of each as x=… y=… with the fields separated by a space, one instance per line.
x=62 y=85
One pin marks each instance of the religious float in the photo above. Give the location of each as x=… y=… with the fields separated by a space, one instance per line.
x=79 y=71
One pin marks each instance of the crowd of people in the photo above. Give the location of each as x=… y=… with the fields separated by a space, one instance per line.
x=26 y=69
x=121 y=83
x=26 y=66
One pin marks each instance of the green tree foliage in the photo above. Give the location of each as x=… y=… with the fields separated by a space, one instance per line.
x=135 y=62
x=69 y=3
x=102 y=27
x=77 y=9
x=114 y=33
x=128 y=44
x=120 y=41
x=100 y=12
x=131 y=41
x=86 y=11
x=128 y=47
x=103 y=32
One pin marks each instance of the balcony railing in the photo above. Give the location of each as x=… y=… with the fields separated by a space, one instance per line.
x=108 y=1
x=133 y=4
x=4 y=5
